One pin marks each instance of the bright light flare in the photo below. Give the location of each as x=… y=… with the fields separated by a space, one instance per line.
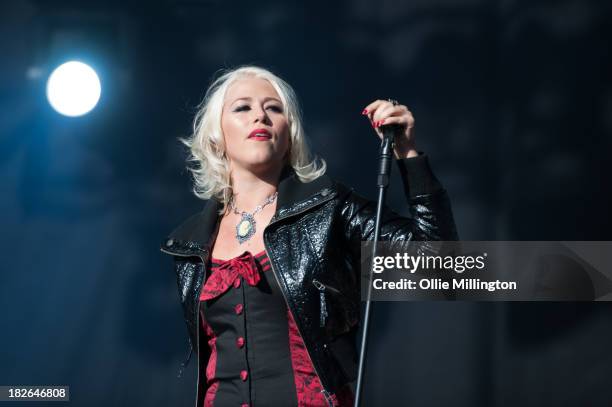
x=73 y=89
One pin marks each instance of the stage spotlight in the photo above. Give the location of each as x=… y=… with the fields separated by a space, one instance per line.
x=73 y=89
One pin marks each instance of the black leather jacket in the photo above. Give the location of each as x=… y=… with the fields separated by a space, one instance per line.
x=313 y=242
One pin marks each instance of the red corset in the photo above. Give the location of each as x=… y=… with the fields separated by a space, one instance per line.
x=236 y=289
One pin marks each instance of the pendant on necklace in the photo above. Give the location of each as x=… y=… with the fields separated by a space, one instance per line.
x=245 y=229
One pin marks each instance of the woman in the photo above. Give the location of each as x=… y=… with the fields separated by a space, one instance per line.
x=268 y=271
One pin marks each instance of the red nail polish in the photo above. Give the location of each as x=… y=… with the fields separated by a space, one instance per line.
x=380 y=123
x=365 y=111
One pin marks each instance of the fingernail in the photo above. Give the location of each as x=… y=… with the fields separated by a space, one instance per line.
x=380 y=123
x=365 y=111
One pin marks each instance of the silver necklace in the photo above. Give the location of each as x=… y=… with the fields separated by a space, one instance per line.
x=245 y=229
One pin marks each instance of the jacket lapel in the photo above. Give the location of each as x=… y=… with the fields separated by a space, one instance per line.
x=194 y=235
x=295 y=196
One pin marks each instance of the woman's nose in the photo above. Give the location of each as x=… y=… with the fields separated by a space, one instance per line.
x=260 y=115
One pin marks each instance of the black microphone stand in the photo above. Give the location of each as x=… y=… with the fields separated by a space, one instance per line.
x=382 y=182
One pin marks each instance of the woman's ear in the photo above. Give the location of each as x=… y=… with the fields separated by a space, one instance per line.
x=218 y=149
x=220 y=153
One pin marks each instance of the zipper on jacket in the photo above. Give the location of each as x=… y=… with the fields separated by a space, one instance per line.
x=328 y=397
x=187 y=359
x=323 y=286
x=322 y=304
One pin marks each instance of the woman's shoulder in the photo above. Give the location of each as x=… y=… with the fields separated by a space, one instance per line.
x=332 y=185
x=197 y=227
x=296 y=192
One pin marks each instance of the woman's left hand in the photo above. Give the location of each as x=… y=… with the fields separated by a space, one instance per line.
x=383 y=112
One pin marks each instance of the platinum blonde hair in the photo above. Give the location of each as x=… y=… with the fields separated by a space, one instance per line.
x=207 y=160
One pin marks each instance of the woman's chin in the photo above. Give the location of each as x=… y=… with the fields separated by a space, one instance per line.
x=262 y=163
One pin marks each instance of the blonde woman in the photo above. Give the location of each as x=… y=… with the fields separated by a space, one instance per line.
x=268 y=271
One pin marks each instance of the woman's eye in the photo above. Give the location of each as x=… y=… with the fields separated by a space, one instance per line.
x=274 y=108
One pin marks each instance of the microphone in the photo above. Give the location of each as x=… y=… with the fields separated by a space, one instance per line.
x=389 y=132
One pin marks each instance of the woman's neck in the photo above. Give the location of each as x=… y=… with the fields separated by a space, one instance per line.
x=252 y=189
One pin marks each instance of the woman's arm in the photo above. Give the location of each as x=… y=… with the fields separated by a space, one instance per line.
x=430 y=209
x=429 y=206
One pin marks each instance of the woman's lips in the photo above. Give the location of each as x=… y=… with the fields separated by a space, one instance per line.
x=260 y=134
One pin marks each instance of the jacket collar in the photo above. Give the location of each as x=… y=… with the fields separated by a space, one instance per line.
x=196 y=234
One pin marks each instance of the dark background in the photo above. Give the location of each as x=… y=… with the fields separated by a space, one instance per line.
x=513 y=104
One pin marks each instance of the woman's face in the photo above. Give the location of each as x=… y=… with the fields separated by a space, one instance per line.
x=255 y=125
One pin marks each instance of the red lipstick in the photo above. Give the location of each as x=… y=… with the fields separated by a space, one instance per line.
x=260 y=134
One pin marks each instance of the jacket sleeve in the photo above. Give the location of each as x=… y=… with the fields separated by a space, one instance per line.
x=431 y=216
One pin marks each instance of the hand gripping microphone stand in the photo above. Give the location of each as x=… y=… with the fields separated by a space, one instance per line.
x=384 y=174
